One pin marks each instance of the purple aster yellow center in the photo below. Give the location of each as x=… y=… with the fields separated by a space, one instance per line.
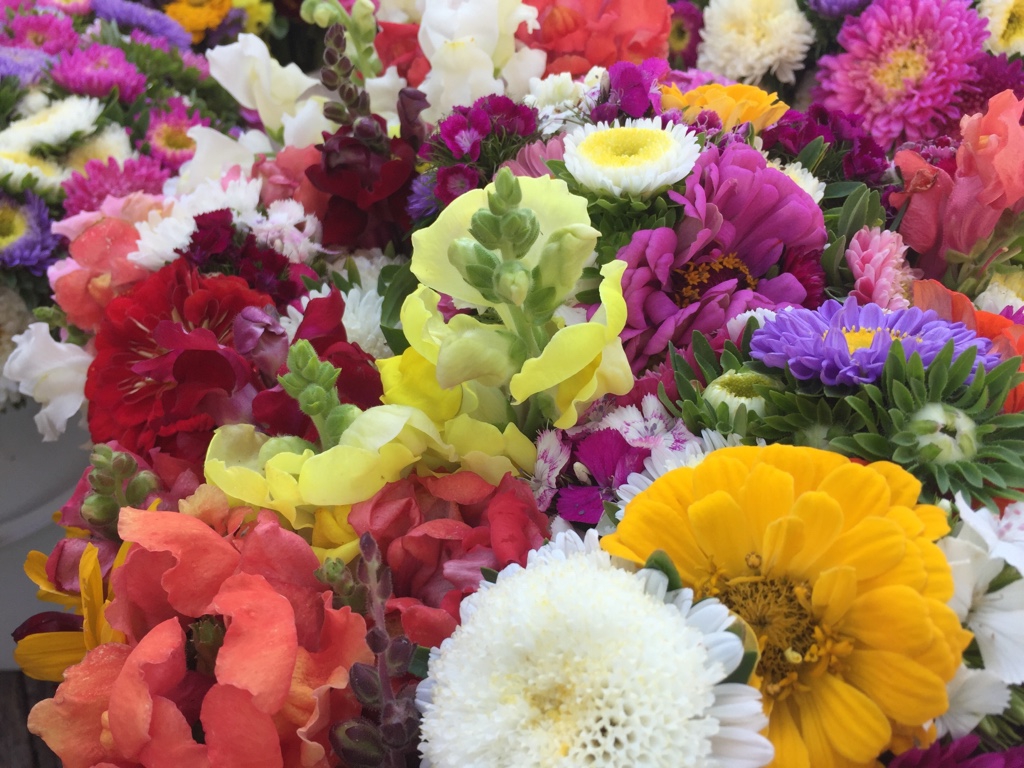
x=902 y=65
x=174 y=137
x=693 y=280
x=12 y=225
x=862 y=338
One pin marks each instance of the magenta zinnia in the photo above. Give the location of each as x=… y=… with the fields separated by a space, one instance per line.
x=903 y=66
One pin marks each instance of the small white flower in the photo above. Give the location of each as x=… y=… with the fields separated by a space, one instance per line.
x=572 y=661
x=52 y=125
x=973 y=694
x=161 y=234
x=1006 y=289
x=637 y=158
x=1005 y=34
x=111 y=142
x=1001 y=534
x=803 y=178
x=363 y=308
x=746 y=39
x=552 y=456
x=51 y=373
x=287 y=229
x=648 y=426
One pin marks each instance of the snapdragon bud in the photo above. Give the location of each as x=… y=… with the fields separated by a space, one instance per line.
x=512 y=283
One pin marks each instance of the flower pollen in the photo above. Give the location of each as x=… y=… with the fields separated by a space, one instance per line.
x=12 y=225
x=695 y=279
x=621 y=147
x=902 y=70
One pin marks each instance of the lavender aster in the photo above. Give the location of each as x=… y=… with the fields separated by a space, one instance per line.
x=847 y=344
x=25 y=237
x=23 y=63
x=836 y=9
x=132 y=15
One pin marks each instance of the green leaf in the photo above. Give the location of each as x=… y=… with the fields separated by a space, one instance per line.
x=742 y=672
x=418 y=667
x=660 y=561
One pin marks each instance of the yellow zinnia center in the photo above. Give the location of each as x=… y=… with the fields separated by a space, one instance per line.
x=624 y=147
x=903 y=65
x=12 y=226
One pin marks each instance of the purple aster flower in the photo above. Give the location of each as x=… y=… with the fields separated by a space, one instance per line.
x=684 y=36
x=993 y=75
x=96 y=71
x=132 y=15
x=904 y=65
x=741 y=218
x=836 y=9
x=25 y=237
x=632 y=90
x=847 y=344
x=693 y=78
x=422 y=204
x=144 y=38
x=168 y=137
x=453 y=181
x=463 y=132
x=100 y=180
x=23 y=63
x=50 y=33
x=958 y=754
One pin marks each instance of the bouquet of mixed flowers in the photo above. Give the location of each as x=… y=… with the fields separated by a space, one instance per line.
x=536 y=389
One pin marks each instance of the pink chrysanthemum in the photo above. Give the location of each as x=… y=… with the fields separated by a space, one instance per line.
x=72 y=7
x=168 y=137
x=50 y=33
x=904 y=63
x=96 y=71
x=86 y=192
x=877 y=259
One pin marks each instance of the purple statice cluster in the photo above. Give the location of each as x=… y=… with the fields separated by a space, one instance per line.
x=97 y=71
x=862 y=158
x=470 y=144
x=847 y=344
x=26 y=241
x=86 y=191
x=128 y=15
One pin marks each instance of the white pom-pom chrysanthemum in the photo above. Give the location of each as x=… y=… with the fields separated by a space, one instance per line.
x=52 y=125
x=638 y=158
x=574 y=662
x=746 y=39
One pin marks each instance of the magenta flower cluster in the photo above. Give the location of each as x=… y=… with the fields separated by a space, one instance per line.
x=98 y=70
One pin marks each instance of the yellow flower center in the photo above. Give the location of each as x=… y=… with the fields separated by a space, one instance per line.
x=678 y=36
x=1014 y=29
x=778 y=612
x=903 y=65
x=625 y=147
x=174 y=137
x=693 y=280
x=24 y=158
x=859 y=338
x=12 y=225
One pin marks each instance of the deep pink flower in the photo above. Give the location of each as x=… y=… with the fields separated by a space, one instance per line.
x=463 y=132
x=86 y=191
x=167 y=134
x=741 y=218
x=50 y=33
x=877 y=259
x=455 y=180
x=904 y=65
x=96 y=71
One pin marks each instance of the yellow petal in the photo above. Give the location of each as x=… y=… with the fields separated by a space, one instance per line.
x=808 y=468
x=903 y=689
x=860 y=491
x=46 y=655
x=873 y=546
x=35 y=569
x=790 y=750
x=833 y=594
x=894 y=618
x=823 y=520
x=722 y=531
x=766 y=495
x=783 y=539
x=904 y=488
x=411 y=379
x=90 y=580
x=837 y=718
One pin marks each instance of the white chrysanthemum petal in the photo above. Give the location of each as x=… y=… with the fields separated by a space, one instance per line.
x=17 y=166
x=542 y=673
x=637 y=158
x=747 y=39
x=973 y=694
x=52 y=125
x=803 y=178
x=363 y=307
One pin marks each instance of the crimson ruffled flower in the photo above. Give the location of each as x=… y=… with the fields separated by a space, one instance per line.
x=436 y=533
x=369 y=187
x=165 y=374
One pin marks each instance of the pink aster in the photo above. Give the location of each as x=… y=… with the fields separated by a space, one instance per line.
x=96 y=71
x=71 y=7
x=904 y=66
x=50 y=33
x=168 y=137
x=877 y=259
x=86 y=192
x=742 y=221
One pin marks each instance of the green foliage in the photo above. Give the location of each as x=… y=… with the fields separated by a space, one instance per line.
x=860 y=208
x=395 y=283
x=10 y=94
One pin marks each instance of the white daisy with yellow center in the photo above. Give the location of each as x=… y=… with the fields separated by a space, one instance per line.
x=52 y=125
x=636 y=159
x=1005 y=25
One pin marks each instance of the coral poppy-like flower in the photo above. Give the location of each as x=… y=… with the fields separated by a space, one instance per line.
x=580 y=34
x=165 y=374
x=833 y=565
x=742 y=218
x=261 y=670
x=436 y=533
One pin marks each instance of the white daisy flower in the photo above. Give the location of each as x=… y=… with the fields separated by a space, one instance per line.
x=363 y=308
x=572 y=661
x=112 y=141
x=287 y=229
x=746 y=39
x=53 y=124
x=803 y=178
x=1005 y=32
x=638 y=158
x=648 y=426
x=19 y=165
x=161 y=234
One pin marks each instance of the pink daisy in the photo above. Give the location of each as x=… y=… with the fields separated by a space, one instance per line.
x=73 y=7
x=86 y=192
x=96 y=71
x=904 y=63
x=168 y=137
x=50 y=33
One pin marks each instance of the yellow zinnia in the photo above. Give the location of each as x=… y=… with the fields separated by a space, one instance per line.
x=833 y=565
x=734 y=104
x=198 y=16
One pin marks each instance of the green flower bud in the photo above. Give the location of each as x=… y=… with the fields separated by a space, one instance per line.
x=123 y=465
x=949 y=429
x=313 y=400
x=140 y=487
x=341 y=418
x=100 y=511
x=323 y=13
x=738 y=388
x=102 y=481
x=485 y=227
x=507 y=195
x=521 y=229
x=475 y=263
x=512 y=283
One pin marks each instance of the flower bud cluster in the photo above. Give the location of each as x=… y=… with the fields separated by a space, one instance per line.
x=116 y=481
x=312 y=383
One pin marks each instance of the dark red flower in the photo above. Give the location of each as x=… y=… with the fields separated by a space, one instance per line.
x=165 y=373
